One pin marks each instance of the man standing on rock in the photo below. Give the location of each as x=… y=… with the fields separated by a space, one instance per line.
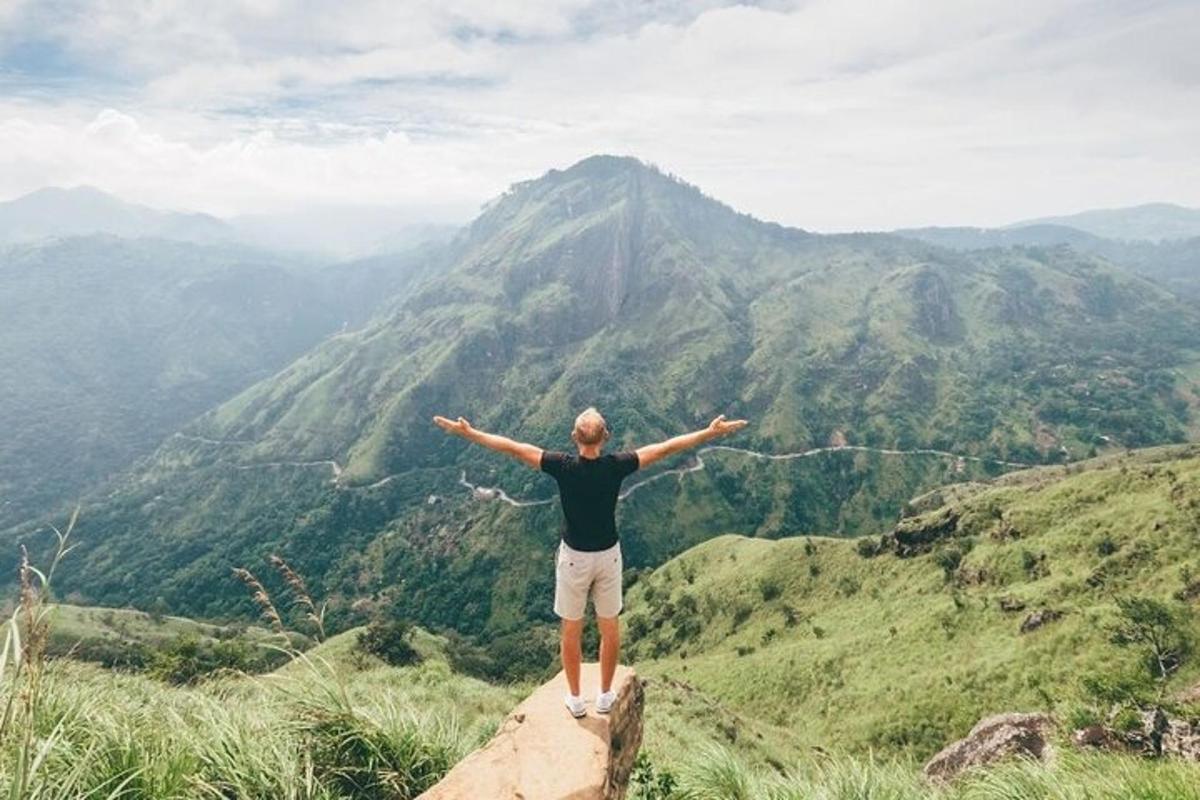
x=589 y=555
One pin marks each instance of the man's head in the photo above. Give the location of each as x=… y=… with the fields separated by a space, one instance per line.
x=590 y=428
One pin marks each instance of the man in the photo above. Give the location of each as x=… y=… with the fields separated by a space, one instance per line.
x=589 y=555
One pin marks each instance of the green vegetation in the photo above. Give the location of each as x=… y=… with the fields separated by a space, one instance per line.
x=332 y=723
x=775 y=667
x=720 y=776
x=163 y=644
x=863 y=650
x=110 y=345
x=612 y=284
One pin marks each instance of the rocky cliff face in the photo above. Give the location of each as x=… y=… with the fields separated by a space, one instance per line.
x=542 y=753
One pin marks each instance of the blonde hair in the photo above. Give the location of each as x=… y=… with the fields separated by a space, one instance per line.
x=590 y=427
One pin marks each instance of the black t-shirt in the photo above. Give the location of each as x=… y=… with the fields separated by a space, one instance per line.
x=588 y=488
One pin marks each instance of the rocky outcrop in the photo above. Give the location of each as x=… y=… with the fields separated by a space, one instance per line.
x=913 y=536
x=1158 y=735
x=1039 y=618
x=992 y=739
x=542 y=753
x=1181 y=739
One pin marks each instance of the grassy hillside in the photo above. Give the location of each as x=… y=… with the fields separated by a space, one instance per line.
x=331 y=725
x=1172 y=263
x=612 y=284
x=899 y=655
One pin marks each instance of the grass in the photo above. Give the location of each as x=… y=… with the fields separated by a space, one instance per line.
x=327 y=725
x=332 y=723
x=719 y=775
x=776 y=647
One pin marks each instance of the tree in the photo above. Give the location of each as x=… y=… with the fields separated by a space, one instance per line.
x=1158 y=628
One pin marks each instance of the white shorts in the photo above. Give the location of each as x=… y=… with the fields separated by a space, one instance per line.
x=579 y=574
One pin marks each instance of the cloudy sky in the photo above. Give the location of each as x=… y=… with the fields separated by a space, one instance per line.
x=829 y=115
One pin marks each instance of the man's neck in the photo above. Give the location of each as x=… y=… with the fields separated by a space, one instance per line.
x=589 y=451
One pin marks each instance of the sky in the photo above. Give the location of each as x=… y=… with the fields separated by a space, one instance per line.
x=826 y=115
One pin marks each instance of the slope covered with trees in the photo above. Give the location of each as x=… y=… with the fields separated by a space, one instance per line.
x=612 y=284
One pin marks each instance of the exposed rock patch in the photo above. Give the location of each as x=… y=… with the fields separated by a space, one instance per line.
x=1039 y=618
x=916 y=535
x=1158 y=735
x=1011 y=605
x=992 y=739
x=542 y=753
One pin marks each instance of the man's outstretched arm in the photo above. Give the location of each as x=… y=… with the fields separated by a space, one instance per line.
x=717 y=428
x=528 y=454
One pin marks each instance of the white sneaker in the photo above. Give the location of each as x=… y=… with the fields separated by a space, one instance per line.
x=604 y=701
x=575 y=705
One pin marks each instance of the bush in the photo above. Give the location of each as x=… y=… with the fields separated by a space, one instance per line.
x=649 y=783
x=186 y=659
x=770 y=588
x=868 y=547
x=389 y=640
x=949 y=560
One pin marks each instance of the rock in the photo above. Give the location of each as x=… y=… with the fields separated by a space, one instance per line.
x=1098 y=737
x=913 y=536
x=1149 y=739
x=542 y=753
x=1039 y=618
x=992 y=739
x=1181 y=739
x=1011 y=605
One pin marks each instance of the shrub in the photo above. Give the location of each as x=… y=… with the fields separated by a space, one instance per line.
x=649 y=783
x=770 y=588
x=868 y=547
x=186 y=659
x=741 y=613
x=948 y=559
x=389 y=640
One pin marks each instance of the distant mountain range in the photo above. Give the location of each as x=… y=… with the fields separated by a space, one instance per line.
x=612 y=284
x=1154 y=222
x=110 y=344
x=1173 y=264
x=82 y=211
x=327 y=233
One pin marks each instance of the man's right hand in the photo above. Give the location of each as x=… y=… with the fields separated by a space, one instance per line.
x=459 y=427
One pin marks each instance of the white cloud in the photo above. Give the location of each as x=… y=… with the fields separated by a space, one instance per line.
x=835 y=114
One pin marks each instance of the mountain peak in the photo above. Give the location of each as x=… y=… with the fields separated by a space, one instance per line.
x=57 y=211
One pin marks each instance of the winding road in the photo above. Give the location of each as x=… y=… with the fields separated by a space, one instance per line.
x=489 y=493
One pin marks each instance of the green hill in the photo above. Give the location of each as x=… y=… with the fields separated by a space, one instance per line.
x=110 y=345
x=1151 y=222
x=611 y=283
x=851 y=649
x=1172 y=263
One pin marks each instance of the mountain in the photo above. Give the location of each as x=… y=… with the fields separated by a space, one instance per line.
x=612 y=284
x=1153 y=222
x=991 y=598
x=109 y=345
x=1174 y=263
x=81 y=211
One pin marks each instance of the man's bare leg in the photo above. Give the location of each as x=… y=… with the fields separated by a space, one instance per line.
x=610 y=645
x=571 y=649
